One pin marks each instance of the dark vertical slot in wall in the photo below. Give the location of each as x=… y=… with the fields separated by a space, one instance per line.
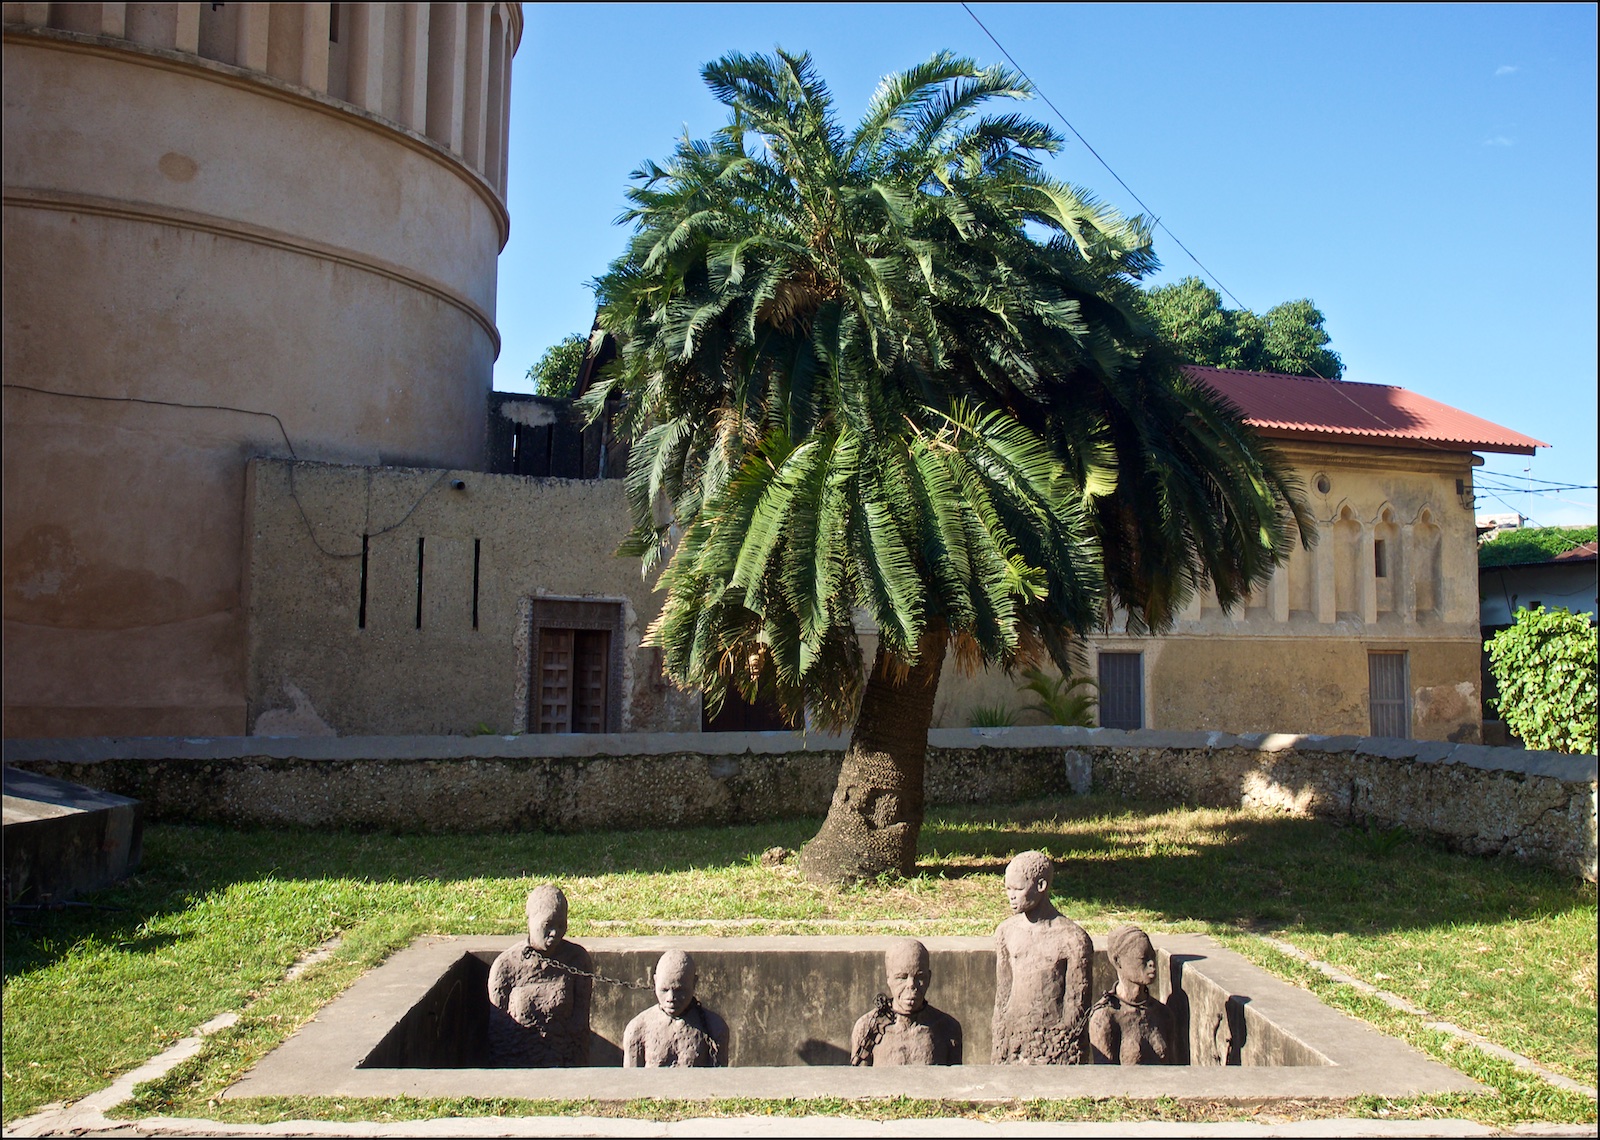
x=420 y=541
x=477 y=562
x=361 y=605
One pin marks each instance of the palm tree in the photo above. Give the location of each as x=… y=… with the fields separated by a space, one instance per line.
x=902 y=373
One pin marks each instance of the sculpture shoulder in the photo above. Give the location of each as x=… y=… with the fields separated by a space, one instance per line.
x=1064 y=928
x=571 y=954
x=641 y=1022
x=715 y=1025
x=1008 y=929
x=941 y=1022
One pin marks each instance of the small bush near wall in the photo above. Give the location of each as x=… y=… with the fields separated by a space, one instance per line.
x=1545 y=667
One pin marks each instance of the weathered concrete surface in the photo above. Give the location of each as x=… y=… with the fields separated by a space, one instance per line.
x=177 y=300
x=1539 y=806
x=62 y=838
x=1301 y=1048
x=391 y=600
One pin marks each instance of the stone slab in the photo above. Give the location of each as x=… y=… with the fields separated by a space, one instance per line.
x=61 y=839
x=1345 y=1058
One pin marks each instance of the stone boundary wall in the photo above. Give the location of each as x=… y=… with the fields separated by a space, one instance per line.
x=1538 y=806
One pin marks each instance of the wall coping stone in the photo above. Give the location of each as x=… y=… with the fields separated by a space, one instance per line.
x=89 y=750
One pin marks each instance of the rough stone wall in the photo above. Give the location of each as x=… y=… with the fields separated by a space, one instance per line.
x=1537 y=806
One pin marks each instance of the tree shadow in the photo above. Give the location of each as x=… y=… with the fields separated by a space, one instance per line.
x=1110 y=854
x=1247 y=871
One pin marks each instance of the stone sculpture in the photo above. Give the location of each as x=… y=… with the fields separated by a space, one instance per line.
x=905 y=1029
x=677 y=1032
x=540 y=991
x=1043 y=964
x=1129 y=1026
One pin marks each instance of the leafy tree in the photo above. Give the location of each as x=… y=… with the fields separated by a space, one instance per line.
x=855 y=382
x=556 y=373
x=1545 y=667
x=1533 y=544
x=1288 y=338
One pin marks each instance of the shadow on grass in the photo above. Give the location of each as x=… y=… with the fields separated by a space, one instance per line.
x=1173 y=864
x=1241 y=870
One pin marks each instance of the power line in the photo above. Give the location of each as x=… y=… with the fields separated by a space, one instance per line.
x=1547 y=482
x=1335 y=385
x=1155 y=218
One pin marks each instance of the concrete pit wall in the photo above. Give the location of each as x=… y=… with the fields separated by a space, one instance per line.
x=794 y=1001
x=1536 y=806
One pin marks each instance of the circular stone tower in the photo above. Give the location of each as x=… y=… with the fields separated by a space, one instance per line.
x=230 y=230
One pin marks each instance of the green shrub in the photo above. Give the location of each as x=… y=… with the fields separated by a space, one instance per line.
x=1545 y=667
x=992 y=716
x=1534 y=544
x=1056 y=701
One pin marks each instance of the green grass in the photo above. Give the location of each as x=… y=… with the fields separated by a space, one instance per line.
x=216 y=916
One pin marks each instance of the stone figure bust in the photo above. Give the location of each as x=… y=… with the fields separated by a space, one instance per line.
x=676 y=1032
x=1043 y=964
x=905 y=1029
x=539 y=1015
x=1129 y=1026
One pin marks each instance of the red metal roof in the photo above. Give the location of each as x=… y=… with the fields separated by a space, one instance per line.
x=1301 y=407
x=1588 y=552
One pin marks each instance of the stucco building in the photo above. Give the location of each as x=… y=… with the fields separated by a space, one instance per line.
x=230 y=230
x=1372 y=631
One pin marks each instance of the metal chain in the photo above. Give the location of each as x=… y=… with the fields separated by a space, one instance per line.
x=529 y=951
x=882 y=1017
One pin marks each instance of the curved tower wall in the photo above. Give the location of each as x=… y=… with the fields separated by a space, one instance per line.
x=229 y=231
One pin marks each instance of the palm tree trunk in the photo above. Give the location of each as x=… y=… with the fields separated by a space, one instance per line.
x=876 y=816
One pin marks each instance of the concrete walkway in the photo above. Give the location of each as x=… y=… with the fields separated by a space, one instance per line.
x=73 y=1123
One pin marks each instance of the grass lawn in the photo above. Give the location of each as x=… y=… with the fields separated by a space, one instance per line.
x=216 y=916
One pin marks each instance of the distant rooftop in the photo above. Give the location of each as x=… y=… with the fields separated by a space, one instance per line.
x=1301 y=407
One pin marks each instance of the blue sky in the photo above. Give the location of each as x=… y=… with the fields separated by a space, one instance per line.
x=1425 y=173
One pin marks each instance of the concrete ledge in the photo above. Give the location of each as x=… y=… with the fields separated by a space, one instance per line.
x=1537 y=806
x=63 y=838
x=1342 y=1057
x=90 y=750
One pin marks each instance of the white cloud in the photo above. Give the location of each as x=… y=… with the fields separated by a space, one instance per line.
x=1498 y=140
x=1505 y=69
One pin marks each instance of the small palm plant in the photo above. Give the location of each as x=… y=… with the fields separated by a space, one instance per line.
x=1057 y=701
x=999 y=715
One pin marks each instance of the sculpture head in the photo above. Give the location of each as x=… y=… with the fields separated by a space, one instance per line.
x=1028 y=879
x=906 y=965
x=1131 y=953
x=547 y=917
x=675 y=983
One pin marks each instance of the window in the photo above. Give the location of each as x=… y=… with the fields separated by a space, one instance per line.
x=1380 y=558
x=575 y=666
x=1121 y=690
x=1387 y=686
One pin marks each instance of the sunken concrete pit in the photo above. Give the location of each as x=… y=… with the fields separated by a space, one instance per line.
x=417 y=1026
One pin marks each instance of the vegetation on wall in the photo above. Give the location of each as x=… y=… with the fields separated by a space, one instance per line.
x=1533 y=544
x=556 y=373
x=1286 y=338
x=1545 y=667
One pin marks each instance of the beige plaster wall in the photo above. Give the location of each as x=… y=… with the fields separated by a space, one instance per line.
x=204 y=263
x=1295 y=658
x=313 y=669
